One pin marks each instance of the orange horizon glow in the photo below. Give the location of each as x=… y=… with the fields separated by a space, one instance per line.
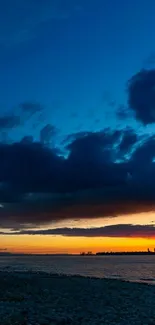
x=70 y=245
x=49 y=244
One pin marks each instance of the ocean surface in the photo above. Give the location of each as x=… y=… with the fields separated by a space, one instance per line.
x=132 y=268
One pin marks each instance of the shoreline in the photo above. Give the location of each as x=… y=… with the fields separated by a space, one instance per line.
x=147 y=281
x=40 y=298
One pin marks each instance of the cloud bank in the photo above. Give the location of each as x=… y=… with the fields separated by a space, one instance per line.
x=105 y=174
x=120 y=230
x=38 y=185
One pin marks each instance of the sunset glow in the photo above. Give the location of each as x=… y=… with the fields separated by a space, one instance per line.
x=64 y=245
x=49 y=244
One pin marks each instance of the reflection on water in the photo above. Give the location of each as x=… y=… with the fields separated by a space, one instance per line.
x=133 y=268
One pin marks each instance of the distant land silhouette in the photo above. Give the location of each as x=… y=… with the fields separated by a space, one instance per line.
x=148 y=252
x=125 y=253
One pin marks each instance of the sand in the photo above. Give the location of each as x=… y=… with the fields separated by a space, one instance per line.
x=29 y=298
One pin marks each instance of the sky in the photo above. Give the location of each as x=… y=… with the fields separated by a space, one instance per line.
x=77 y=117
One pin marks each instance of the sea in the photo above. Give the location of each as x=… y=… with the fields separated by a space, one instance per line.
x=130 y=268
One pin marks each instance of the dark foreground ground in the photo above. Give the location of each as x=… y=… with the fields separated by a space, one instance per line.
x=43 y=299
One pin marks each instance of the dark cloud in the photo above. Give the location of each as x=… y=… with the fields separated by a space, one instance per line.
x=13 y=120
x=145 y=152
x=28 y=139
x=9 y=122
x=129 y=139
x=91 y=159
x=39 y=186
x=47 y=133
x=31 y=107
x=29 y=166
x=120 y=230
x=39 y=209
x=141 y=96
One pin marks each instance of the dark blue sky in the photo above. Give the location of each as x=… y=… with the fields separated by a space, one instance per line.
x=73 y=57
x=71 y=65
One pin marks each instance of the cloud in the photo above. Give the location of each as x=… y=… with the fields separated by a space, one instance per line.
x=9 y=122
x=31 y=107
x=129 y=139
x=145 y=152
x=20 y=115
x=38 y=185
x=27 y=139
x=30 y=166
x=119 y=230
x=47 y=133
x=141 y=96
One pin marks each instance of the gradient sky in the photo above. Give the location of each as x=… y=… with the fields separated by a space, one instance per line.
x=74 y=58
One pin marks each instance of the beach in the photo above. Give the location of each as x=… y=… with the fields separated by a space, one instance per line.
x=38 y=298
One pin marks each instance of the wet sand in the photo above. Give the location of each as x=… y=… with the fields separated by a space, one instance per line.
x=28 y=298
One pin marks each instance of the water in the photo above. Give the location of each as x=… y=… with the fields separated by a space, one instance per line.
x=132 y=268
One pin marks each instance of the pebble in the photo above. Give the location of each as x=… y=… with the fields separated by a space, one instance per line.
x=41 y=299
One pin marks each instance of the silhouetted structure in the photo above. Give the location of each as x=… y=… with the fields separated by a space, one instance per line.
x=148 y=252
